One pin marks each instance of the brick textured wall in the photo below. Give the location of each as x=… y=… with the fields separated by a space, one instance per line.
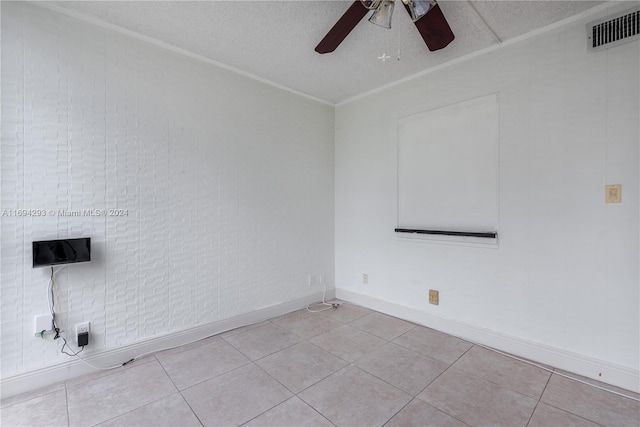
x=227 y=184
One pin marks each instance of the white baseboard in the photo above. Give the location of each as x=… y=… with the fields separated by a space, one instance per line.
x=38 y=378
x=610 y=373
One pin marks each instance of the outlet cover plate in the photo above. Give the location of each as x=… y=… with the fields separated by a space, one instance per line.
x=613 y=193
x=434 y=297
x=83 y=327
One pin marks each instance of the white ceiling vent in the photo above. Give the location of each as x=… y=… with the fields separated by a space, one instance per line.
x=614 y=30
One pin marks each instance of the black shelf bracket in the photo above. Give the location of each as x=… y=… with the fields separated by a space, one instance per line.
x=482 y=234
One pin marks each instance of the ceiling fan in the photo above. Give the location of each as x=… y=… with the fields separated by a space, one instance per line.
x=426 y=15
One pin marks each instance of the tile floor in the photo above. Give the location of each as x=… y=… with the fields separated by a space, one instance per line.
x=347 y=367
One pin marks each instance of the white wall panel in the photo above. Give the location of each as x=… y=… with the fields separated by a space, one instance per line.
x=227 y=185
x=122 y=148
x=180 y=201
x=46 y=164
x=149 y=90
x=565 y=271
x=206 y=192
x=82 y=289
x=11 y=191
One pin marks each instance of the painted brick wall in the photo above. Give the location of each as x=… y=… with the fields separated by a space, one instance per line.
x=227 y=182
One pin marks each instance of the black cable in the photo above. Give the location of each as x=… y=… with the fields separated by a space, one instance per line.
x=67 y=345
x=51 y=296
x=52 y=306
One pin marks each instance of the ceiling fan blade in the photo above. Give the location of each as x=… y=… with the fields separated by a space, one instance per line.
x=434 y=29
x=342 y=28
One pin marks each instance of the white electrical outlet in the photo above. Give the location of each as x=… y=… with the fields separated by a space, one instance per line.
x=365 y=278
x=82 y=328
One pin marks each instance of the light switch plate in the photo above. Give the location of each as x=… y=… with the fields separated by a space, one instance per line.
x=613 y=193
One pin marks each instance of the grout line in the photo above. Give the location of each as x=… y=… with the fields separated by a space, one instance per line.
x=441 y=373
x=277 y=404
x=317 y=382
x=435 y=379
x=316 y=411
x=309 y=404
x=279 y=382
x=440 y=410
x=491 y=380
x=420 y=401
x=569 y=412
x=166 y=373
x=503 y=386
x=191 y=409
x=552 y=370
x=216 y=376
x=66 y=401
x=539 y=399
x=179 y=391
x=399 y=410
x=395 y=386
x=312 y=407
x=142 y=406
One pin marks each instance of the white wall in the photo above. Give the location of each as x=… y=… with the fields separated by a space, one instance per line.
x=228 y=183
x=565 y=274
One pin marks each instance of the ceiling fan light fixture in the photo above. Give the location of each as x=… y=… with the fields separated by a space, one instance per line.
x=383 y=13
x=419 y=8
x=371 y=4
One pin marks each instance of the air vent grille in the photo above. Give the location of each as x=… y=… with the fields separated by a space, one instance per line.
x=614 y=30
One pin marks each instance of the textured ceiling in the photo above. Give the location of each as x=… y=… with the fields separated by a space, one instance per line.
x=275 y=40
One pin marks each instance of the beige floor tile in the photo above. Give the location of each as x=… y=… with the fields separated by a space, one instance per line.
x=104 y=398
x=347 y=343
x=23 y=397
x=199 y=364
x=588 y=402
x=464 y=383
x=598 y=383
x=102 y=373
x=476 y=401
x=434 y=344
x=352 y=397
x=347 y=313
x=262 y=341
x=548 y=416
x=402 y=368
x=419 y=414
x=196 y=344
x=243 y=329
x=301 y=365
x=236 y=397
x=168 y=412
x=292 y=413
x=45 y=410
x=505 y=371
x=381 y=325
x=305 y=324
